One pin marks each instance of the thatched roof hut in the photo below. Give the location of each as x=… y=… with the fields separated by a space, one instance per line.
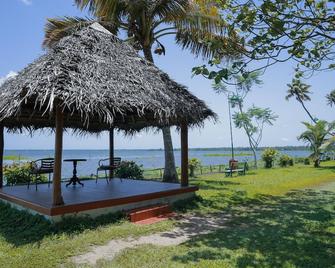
x=91 y=81
x=99 y=82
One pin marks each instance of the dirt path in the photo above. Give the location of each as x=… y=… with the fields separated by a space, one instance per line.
x=190 y=225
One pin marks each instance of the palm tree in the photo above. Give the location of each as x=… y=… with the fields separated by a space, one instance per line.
x=301 y=92
x=316 y=134
x=193 y=23
x=331 y=98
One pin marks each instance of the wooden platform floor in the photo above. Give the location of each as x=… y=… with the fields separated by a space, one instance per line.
x=91 y=196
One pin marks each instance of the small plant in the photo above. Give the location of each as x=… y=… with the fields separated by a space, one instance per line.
x=269 y=156
x=129 y=170
x=307 y=161
x=299 y=160
x=193 y=164
x=285 y=160
x=291 y=162
x=17 y=173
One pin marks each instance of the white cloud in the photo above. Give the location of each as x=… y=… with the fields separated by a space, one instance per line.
x=285 y=139
x=26 y=2
x=9 y=75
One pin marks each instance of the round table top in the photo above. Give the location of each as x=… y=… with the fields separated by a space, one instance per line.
x=75 y=160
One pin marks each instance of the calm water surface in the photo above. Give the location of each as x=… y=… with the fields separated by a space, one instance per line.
x=148 y=158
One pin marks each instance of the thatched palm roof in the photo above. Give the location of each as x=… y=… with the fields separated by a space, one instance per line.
x=100 y=82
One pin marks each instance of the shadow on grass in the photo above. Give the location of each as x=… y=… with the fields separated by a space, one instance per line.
x=20 y=227
x=289 y=231
x=331 y=168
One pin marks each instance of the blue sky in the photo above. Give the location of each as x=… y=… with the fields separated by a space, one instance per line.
x=22 y=23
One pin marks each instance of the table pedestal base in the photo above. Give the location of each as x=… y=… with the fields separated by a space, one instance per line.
x=74 y=181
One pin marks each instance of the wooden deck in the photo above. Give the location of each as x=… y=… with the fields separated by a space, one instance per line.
x=92 y=196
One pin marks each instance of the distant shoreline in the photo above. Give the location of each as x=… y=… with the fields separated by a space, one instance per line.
x=280 y=148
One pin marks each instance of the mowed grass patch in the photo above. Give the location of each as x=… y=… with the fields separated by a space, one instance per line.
x=217 y=192
x=31 y=241
x=272 y=225
x=265 y=215
x=286 y=231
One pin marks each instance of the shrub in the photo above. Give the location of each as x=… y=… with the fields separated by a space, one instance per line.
x=129 y=170
x=299 y=160
x=285 y=160
x=291 y=162
x=268 y=156
x=17 y=173
x=193 y=164
x=307 y=161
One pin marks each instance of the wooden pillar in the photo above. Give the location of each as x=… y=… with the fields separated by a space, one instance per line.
x=111 y=152
x=184 y=154
x=1 y=154
x=57 y=183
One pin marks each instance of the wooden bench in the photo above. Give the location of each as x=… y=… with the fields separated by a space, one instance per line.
x=238 y=168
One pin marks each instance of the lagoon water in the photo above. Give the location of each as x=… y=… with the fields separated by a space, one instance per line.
x=150 y=159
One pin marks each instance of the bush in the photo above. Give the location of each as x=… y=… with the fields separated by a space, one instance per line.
x=299 y=160
x=291 y=162
x=269 y=156
x=129 y=170
x=285 y=160
x=307 y=161
x=193 y=164
x=17 y=173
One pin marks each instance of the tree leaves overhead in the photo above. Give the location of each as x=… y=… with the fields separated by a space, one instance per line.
x=276 y=31
x=196 y=25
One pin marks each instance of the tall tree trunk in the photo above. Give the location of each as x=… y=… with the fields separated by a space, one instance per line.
x=306 y=110
x=251 y=144
x=255 y=156
x=170 y=172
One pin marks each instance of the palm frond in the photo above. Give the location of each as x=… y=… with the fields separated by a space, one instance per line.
x=57 y=28
x=207 y=45
x=106 y=10
x=172 y=9
x=331 y=98
x=91 y=4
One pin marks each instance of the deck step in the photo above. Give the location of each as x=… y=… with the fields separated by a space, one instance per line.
x=145 y=213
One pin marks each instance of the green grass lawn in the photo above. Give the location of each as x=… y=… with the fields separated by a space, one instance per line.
x=276 y=222
x=271 y=226
x=14 y=157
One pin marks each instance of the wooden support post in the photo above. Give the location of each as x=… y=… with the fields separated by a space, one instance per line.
x=184 y=154
x=57 y=179
x=111 y=152
x=1 y=154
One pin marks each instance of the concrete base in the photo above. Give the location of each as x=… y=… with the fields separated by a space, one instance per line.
x=101 y=211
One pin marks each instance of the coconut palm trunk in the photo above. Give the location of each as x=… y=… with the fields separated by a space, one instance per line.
x=170 y=172
x=306 y=110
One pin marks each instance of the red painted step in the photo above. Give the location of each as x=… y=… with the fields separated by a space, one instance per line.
x=156 y=219
x=145 y=213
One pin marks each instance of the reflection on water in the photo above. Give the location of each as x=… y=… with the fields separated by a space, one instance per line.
x=147 y=158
